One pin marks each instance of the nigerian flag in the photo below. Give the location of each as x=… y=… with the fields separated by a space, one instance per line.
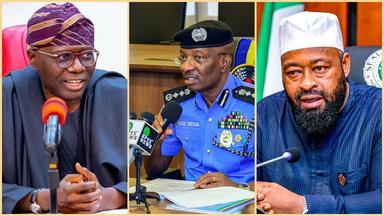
x=268 y=52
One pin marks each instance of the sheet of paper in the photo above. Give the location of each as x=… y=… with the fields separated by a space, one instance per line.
x=207 y=197
x=161 y=186
x=193 y=210
x=116 y=211
x=225 y=208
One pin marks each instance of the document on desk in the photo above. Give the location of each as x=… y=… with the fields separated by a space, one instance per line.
x=115 y=211
x=208 y=197
x=161 y=186
x=225 y=208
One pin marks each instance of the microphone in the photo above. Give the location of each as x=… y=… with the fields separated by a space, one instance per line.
x=291 y=155
x=54 y=114
x=142 y=136
x=132 y=115
x=149 y=118
x=170 y=113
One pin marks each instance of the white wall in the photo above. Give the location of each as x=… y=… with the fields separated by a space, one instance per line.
x=199 y=11
x=109 y=19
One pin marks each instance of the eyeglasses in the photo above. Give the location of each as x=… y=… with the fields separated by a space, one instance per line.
x=197 y=59
x=65 y=59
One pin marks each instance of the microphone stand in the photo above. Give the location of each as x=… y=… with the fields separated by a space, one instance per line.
x=53 y=160
x=141 y=194
x=53 y=179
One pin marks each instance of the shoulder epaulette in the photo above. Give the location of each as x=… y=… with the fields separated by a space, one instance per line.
x=178 y=94
x=244 y=93
x=245 y=73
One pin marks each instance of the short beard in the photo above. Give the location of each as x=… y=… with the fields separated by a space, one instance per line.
x=318 y=122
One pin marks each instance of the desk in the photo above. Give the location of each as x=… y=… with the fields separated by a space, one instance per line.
x=159 y=207
x=151 y=71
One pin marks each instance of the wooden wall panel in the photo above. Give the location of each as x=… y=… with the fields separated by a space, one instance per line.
x=340 y=9
x=368 y=24
x=145 y=90
x=368 y=18
x=145 y=94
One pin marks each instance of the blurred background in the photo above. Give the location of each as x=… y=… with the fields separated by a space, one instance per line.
x=156 y=22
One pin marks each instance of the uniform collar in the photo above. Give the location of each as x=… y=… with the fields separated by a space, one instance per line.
x=222 y=98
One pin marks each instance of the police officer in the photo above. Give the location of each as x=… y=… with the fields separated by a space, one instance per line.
x=216 y=126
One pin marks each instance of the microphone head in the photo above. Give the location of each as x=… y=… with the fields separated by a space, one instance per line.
x=294 y=154
x=171 y=111
x=148 y=117
x=54 y=106
x=132 y=115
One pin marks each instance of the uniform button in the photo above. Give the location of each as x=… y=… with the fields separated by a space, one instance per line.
x=208 y=151
x=210 y=119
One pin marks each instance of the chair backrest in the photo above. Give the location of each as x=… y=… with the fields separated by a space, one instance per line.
x=14 y=48
x=366 y=64
x=243 y=62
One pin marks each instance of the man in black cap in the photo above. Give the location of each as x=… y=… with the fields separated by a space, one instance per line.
x=215 y=128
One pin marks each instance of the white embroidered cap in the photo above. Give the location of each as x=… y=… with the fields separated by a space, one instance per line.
x=310 y=29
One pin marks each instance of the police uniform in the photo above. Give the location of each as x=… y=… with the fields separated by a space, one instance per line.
x=219 y=138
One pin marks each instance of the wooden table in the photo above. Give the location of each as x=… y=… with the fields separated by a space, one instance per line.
x=159 y=207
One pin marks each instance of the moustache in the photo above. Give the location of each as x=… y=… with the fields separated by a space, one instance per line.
x=189 y=75
x=311 y=92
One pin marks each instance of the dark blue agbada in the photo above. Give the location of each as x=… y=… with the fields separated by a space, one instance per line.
x=102 y=133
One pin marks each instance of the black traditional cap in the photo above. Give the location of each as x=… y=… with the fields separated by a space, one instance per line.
x=204 y=34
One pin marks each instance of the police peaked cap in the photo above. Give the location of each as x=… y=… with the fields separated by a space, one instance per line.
x=204 y=34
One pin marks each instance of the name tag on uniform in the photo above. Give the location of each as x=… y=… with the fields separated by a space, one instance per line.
x=188 y=123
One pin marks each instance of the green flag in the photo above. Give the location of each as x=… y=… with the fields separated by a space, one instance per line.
x=268 y=53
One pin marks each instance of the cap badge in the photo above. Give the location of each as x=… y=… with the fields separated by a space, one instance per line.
x=199 y=34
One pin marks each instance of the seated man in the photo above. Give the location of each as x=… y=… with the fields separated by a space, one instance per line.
x=334 y=122
x=215 y=128
x=63 y=59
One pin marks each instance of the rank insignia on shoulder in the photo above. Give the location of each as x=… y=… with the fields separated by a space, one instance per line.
x=244 y=93
x=245 y=73
x=235 y=120
x=178 y=94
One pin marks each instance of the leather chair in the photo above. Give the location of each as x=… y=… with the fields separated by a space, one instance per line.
x=14 y=48
x=366 y=62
